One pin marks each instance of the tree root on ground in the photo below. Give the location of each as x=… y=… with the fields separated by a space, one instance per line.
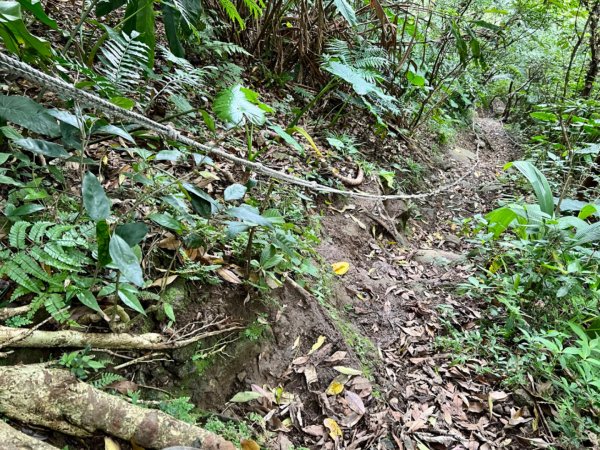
x=11 y=439
x=55 y=399
x=15 y=337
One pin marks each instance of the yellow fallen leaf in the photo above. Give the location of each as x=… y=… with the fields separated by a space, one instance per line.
x=340 y=268
x=249 y=444
x=304 y=133
x=109 y=444
x=334 y=388
x=317 y=345
x=334 y=429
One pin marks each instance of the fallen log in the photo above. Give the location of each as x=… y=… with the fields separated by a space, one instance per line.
x=55 y=399
x=25 y=338
x=11 y=439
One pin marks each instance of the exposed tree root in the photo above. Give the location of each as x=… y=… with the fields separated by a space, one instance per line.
x=7 y=313
x=348 y=181
x=55 y=399
x=11 y=439
x=15 y=337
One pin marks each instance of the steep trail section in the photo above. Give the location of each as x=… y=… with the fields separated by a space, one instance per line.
x=395 y=294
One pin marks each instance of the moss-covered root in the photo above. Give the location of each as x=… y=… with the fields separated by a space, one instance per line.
x=55 y=399
x=11 y=439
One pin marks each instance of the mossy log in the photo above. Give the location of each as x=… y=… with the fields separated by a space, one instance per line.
x=55 y=399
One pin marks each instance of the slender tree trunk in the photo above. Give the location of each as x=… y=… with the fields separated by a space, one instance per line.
x=594 y=67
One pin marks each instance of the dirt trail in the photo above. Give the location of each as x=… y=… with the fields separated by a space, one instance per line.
x=383 y=317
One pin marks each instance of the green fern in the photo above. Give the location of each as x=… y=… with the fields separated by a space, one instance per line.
x=18 y=234
x=18 y=322
x=40 y=255
x=31 y=267
x=124 y=59
x=38 y=231
x=106 y=379
x=56 y=307
x=13 y=271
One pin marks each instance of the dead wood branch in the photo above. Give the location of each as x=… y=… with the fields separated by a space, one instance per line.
x=7 y=313
x=55 y=399
x=23 y=338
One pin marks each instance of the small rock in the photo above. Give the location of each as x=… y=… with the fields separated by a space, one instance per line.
x=437 y=257
x=462 y=155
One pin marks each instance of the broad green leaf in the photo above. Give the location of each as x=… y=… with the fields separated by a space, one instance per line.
x=167 y=221
x=24 y=210
x=171 y=19
x=500 y=219
x=202 y=203
x=107 y=6
x=14 y=33
x=249 y=214
x=103 y=240
x=125 y=260
x=168 y=308
x=587 y=211
x=234 y=192
x=4 y=157
x=88 y=299
x=128 y=295
x=237 y=106
x=346 y=10
x=416 y=79
x=287 y=137
x=95 y=201
x=544 y=116
x=40 y=147
x=114 y=130
x=36 y=8
x=588 y=234
x=538 y=182
x=28 y=114
x=132 y=233
x=123 y=102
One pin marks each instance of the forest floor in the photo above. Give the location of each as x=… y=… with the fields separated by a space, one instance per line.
x=385 y=317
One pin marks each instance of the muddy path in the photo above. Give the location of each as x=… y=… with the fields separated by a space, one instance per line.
x=357 y=366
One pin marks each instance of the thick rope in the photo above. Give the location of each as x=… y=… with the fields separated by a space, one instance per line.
x=59 y=86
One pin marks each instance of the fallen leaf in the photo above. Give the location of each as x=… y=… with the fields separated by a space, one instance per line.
x=335 y=388
x=314 y=430
x=245 y=396
x=109 y=444
x=336 y=357
x=123 y=386
x=317 y=345
x=347 y=370
x=340 y=268
x=249 y=444
x=355 y=402
x=228 y=275
x=334 y=429
x=170 y=243
x=310 y=373
x=164 y=281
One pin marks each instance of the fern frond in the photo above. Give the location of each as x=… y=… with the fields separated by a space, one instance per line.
x=18 y=234
x=13 y=271
x=55 y=305
x=57 y=231
x=124 y=59
x=232 y=12
x=30 y=266
x=43 y=257
x=73 y=257
x=19 y=292
x=106 y=379
x=38 y=230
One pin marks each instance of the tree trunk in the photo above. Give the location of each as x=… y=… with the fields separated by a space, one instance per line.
x=11 y=439
x=55 y=399
x=594 y=67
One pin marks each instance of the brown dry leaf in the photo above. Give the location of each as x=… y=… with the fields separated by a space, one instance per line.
x=336 y=357
x=170 y=243
x=317 y=345
x=414 y=331
x=314 y=430
x=334 y=429
x=310 y=373
x=123 y=386
x=135 y=446
x=340 y=268
x=164 y=281
x=355 y=402
x=495 y=396
x=109 y=444
x=335 y=388
x=228 y=275
x=300 y=361
x=249 y=444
